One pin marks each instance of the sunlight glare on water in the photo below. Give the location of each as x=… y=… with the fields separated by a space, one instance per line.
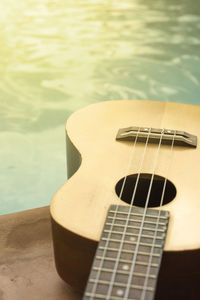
x=58 y=56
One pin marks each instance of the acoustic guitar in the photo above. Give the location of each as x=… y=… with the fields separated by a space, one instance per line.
x=126 y=225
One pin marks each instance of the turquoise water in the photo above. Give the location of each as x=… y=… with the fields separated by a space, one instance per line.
x=58 y=56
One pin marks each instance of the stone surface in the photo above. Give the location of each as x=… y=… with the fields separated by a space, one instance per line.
x=27 y=269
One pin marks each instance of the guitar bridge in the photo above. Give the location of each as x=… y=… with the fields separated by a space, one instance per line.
x=168 y=136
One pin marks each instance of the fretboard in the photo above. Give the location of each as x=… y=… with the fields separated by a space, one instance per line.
x=128 y=256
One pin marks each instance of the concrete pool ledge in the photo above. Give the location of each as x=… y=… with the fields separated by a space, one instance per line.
x=27 y=268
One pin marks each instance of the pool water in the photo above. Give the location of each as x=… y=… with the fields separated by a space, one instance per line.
x=57 y=56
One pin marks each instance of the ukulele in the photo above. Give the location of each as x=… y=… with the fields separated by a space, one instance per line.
x=126 y=225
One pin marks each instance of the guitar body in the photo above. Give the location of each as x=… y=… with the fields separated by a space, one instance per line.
x=97 y=162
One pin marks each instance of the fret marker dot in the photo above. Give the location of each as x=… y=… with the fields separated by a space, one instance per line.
x=119 y=292
x=133 y=239
x=125 y=267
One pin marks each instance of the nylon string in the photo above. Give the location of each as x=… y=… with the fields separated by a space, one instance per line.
x=157 y=221
x=143 y=218
x=112 y=223
x=127 y=220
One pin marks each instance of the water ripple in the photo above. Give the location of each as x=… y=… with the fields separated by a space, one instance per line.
x=58 y=56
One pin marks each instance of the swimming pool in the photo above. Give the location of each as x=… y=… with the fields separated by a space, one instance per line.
x=58 y=56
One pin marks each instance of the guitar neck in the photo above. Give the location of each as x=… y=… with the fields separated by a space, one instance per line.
x=129 y=253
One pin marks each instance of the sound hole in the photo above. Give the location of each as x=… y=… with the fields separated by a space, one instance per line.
x=142 y=190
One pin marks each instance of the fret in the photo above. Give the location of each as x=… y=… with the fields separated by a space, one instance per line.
x=133 y=234
x=127 y=251
x=136 y=221
x=99 y=296
x=127 y=263
x=122 y=272
x=140 y=215
x=132 y=243
x=136 y=227
x=119 y=284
